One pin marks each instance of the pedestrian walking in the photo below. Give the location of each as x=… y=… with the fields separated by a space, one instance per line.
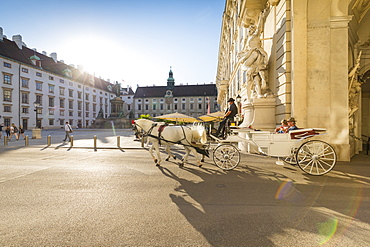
x=7 y=131
x=21 y=132
x=1 y=129
x=13 y=131
x=67 y=129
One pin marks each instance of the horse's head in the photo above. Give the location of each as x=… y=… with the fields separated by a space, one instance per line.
x=142 y=126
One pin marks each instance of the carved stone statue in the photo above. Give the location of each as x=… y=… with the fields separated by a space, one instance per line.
x=117 y=89
x=354 y=89
x=254 y=61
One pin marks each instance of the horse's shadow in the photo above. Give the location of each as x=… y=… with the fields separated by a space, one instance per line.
x=248 y=206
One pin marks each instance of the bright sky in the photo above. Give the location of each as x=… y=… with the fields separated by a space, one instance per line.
x=134 y=41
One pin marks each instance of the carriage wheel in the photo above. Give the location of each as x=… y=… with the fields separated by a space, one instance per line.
x=316 y=157
x=290 y=160
x=226 y=156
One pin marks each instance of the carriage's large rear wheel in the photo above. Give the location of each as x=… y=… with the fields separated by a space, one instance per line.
x=316 y=157
x=226 y=156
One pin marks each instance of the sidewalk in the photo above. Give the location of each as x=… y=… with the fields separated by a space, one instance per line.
x=82 y=138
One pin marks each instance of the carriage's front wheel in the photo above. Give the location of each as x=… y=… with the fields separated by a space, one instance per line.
x=316 y=157
x=226 y=156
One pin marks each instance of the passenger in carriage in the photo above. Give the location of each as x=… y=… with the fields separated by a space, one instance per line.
x=291 y=122
x=283 y=128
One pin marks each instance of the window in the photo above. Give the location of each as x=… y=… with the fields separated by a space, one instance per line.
x=7 y=79
x=7 y=108
x=183 y=106
x=79 y=95
x=61 y=80
x=70 y=104
x=71 y=113
x=191 y=99
x=146 y=100
x=51 y=111
x=25 y=82
x=51 y=121
x=87 y=114
x=183 y=100
x=39 y=99
x=39 y=86
x=25 y=98
x=168 y=107
x=61 y=90
x=87 y=107
x=139 y=107
x=24 y=110
x=161 y=100
x=191 y=106
x=61 y=103
x=101 y=100
x=79 y=114
x=199 y=99
x=175 y=106
x=38 y=74
x=8 y=65
x=70 y=83
x=51 y=78
x=51 y=102
x=86 y=96
x=79 y=86
x=94 y=107
x=129 y=107
x=161 y=106
x=146 y=107
x=199 y=106
x=70 y=92
x=94 y=98
x=7 y=95
x=51 y=88
x=61 y=113
x=154 y=100
x=24 y=70
x=154 y=107
x=79 y=105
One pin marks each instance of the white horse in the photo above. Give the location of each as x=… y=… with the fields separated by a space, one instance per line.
x=170 y=135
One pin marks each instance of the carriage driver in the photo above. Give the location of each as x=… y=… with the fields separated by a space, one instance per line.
x=230 y=113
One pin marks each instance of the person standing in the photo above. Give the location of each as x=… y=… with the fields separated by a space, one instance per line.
x=67 y=129
x=230 y=113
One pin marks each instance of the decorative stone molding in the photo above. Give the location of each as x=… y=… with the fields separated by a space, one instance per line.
x=340 y=21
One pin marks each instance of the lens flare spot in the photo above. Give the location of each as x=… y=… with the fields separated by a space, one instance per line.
x=327 y=229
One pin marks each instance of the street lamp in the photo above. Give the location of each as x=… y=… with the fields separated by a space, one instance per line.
x=238 y=101
x=37 y=105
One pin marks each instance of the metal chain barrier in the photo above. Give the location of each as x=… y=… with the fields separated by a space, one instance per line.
x=363 y=140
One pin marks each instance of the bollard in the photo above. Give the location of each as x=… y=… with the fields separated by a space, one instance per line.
x=71 y=141
x=118 y=141
x=95 y=142
x=49 y=140
x=5 y=140
x=26 y=140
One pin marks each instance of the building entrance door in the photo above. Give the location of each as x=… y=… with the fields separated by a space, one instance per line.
x=25 y=123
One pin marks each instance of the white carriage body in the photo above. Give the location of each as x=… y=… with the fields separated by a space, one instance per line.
x=276 y=144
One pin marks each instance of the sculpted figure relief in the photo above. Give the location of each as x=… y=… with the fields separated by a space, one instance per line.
x=254 y=61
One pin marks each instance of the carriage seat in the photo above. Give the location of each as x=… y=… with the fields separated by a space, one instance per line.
x=304 y=133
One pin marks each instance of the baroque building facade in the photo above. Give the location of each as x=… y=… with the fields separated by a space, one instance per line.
x=191 y=100
x=62 y=92
x=307 y=59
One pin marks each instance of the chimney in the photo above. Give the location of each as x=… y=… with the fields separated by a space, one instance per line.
x=18 y=40
x=1 y=34
x=34 y=49
x=44 y=53
x=53 y=55
x=80 y=68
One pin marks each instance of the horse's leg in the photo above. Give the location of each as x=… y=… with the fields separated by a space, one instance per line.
x=169 y=154
x=185 y=157
x=157 y=160
x=196 y=156
x=202 y=160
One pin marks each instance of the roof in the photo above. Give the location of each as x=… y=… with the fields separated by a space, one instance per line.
x=10 y=50
x=178 y=91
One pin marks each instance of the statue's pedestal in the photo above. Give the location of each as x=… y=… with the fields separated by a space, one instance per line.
x=260 y=114
x=36 y=134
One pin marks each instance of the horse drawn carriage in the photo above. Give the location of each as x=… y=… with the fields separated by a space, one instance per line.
x=297 y=147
